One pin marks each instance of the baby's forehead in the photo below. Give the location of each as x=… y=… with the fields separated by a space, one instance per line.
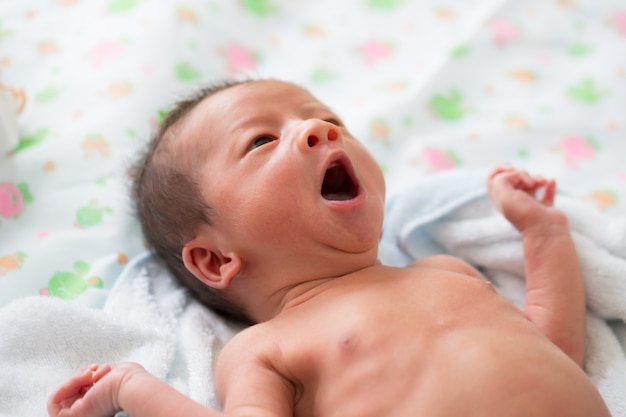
x=256 y=99
x=263 y=90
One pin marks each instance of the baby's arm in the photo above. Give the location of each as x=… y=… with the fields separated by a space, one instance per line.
x=555 y=299
x=251 y=376
x=102 y=390
x=247 y=381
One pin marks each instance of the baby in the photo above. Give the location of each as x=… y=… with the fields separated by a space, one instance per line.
x=261 y=201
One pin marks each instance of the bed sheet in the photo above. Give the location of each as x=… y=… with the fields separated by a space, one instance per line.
x=428 y=86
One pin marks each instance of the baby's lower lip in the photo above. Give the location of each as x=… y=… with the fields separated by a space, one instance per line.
x=346 y=205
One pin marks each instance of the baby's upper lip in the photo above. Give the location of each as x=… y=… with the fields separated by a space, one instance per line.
x=338 y=178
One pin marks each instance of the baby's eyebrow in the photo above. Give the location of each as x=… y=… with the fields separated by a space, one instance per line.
x=246 y=122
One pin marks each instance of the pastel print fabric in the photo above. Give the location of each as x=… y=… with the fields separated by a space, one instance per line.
x=428 y=86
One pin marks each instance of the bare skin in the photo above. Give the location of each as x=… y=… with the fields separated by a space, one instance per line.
x=431 y=339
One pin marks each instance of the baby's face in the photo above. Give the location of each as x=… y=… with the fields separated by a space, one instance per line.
x=288 y=182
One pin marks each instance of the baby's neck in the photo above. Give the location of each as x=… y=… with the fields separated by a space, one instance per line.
x=293 y=296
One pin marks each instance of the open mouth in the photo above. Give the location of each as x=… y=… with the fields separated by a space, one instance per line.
x=338 y=184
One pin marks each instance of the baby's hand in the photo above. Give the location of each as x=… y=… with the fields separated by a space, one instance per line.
x=91 y=392
x=514 y=193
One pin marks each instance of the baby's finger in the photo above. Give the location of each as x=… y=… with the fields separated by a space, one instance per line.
x=100 y=371
x=92 y=367
x=549 y=193
x=526 y=181
x=500 y=169
x=72 y=386
x=513 y=179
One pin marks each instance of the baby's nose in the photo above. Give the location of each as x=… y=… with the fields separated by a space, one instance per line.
x=321 y=131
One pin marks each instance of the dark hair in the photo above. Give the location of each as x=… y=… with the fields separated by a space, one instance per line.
x=169 y=203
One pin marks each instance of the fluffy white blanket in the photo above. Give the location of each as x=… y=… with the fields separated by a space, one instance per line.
x=149 y=319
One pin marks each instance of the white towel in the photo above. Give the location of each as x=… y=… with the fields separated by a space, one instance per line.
x=147 y=318
x=452 y=213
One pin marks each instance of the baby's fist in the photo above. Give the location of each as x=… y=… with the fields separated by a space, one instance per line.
x=514 y=193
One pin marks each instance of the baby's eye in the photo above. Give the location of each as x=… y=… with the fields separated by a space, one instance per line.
x=260 y=141
x=333 y=121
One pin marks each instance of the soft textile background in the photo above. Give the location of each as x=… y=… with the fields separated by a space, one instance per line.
x=426 y=85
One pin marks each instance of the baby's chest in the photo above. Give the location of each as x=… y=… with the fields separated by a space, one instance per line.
x=367 y=360
x=361 y=333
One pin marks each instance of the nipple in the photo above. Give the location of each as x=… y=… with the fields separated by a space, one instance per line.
x=348 y=342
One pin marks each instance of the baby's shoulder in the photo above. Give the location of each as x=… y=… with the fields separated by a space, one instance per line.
x=447 y=263
x=249 y=341
x=251 y=362
x=251 y=345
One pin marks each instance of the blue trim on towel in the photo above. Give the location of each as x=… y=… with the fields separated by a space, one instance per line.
x=131 y=268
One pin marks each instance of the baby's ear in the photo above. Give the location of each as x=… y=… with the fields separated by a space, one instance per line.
x=210 y=265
